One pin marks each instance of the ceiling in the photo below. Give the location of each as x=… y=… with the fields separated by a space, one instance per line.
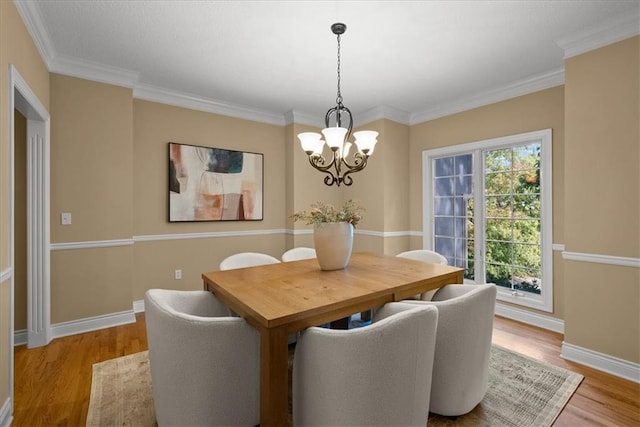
x=274 y=59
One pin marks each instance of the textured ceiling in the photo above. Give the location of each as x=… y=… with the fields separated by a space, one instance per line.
x=279 y=57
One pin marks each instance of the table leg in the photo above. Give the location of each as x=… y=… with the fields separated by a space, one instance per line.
x=340 y=323
x=274 y=387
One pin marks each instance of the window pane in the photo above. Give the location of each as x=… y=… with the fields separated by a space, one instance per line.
x=498 y=206
x=444 y=206
x=526 y=231
x=461 y=227
x=498 y=160
x=526 y=255
x=499 y=229
x=499 y=274
x=498 y=183
x=444 y=166
x=469 y=272
x=461 y=248
x=464 y=185
x=444 y=186
x=527 y=206
x=444 y=226
x=464 y=164
x=460 y=206
x=499 y=252
x=444 y=246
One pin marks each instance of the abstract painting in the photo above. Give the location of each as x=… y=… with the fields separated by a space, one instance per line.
x=213 y=184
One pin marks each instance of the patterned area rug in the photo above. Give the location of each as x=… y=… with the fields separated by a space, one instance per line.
x=522 y=392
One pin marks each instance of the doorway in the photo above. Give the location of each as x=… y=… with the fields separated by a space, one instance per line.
x=24 y=100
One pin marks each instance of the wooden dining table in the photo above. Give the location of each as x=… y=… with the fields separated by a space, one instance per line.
x=280 y=299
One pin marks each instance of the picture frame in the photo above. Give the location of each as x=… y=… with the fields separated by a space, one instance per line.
x=214 y=184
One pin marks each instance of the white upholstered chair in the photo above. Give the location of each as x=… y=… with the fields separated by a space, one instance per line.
x=374 y=375
x=298 y=253
x=247 y=259
x=205 y=366
x=463 y=346
x=424 y=255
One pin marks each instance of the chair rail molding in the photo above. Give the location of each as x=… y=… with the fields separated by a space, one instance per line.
x=601 y=259
x=6 y=274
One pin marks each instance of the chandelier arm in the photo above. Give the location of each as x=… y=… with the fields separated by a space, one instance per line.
x=360 y=161
x=359 y=166
x=317 y=161
x=346 y=179
x=337 y=111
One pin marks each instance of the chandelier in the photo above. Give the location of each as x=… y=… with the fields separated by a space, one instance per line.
x=338 y=168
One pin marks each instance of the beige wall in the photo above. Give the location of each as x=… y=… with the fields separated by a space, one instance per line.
x=91 y=160
x=602 y=203
x=382 y=187
x=540 y=110
x=92 y=178
x=155 y=125
x=17 y=48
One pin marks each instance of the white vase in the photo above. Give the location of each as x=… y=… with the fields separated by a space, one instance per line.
x=333 y=242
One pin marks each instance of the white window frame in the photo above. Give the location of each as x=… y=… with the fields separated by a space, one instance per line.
x=544 y=301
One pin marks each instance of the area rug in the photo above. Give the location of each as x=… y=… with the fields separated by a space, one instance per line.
x=522 y=392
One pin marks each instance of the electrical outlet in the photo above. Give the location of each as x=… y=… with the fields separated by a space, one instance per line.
x=65 y=218
x=177 y=274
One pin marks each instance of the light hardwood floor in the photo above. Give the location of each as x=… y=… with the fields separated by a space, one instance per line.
x=53 y=383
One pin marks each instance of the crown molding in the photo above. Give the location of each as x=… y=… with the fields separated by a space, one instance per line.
x=362 y=118
x=194 y=102
x=603 y=34
x=526 y=86
x=29 y=11
x=383 y=112
x=93 y=71
x=298 y=117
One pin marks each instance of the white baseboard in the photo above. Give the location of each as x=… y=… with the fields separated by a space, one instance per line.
x=138 y=306
x=6 y=415
x=20 y=337
x=530 y=318
x=92 y=324
x=602 y=362
x=84 y=325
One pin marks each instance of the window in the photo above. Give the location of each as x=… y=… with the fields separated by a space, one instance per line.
x=487 y=209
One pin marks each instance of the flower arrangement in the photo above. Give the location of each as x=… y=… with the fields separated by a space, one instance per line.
x=321 y=212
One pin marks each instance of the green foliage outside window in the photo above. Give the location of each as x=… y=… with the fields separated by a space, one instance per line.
x=512 y=203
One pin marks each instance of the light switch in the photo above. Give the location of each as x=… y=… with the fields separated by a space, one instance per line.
x=65 y=218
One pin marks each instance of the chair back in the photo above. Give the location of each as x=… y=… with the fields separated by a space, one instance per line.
x=424 y=255
x=247 y=259
x=205 y=366
x=298 y=253
x=374 y=375
x=463 y=346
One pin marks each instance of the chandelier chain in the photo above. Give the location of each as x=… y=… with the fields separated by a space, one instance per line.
x=339 y=97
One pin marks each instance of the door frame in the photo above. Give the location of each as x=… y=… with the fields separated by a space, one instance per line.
x=23 y=99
